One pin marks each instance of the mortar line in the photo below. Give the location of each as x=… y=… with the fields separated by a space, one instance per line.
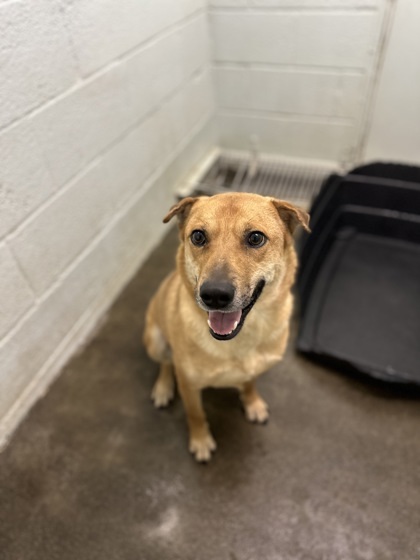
x=286 y=67
x=290 y=10
x=21 y=270
x=287 y=117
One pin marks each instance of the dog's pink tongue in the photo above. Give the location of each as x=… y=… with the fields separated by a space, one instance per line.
x=224 y=323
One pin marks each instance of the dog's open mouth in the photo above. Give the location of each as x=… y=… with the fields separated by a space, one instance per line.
x=226 y=325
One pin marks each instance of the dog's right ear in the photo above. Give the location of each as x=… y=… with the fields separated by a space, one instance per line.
x=291 y=215
x=181 y=209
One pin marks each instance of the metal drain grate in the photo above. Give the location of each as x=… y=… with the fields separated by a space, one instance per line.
x=293 y=180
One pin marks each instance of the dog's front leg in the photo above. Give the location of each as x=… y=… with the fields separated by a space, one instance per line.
x=163 y=389
x=201 y=442
x=256 y=409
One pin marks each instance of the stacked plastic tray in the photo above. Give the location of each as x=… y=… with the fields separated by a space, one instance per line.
x=359 y=277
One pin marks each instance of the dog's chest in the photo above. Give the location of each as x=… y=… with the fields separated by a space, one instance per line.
x=233 y=376
x=236 y=372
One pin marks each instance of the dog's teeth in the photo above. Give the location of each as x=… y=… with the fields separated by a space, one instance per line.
x=208 y=322
x=235 y=325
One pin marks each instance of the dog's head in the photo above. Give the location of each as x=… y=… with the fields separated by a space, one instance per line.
x=232 y=246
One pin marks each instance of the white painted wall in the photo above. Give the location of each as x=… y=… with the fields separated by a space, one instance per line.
x=104 y=106
x=395 y=128
x=294 y=73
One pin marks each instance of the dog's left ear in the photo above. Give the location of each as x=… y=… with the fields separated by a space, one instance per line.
x=291 y=215
x=181 y=209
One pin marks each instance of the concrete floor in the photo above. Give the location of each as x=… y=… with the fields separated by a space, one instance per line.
x=95 y=472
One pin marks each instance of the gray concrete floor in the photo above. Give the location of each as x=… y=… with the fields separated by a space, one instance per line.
x=95 y=472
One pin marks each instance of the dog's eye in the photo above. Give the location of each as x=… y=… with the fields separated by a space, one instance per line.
x=256 y=239
x=198 y=238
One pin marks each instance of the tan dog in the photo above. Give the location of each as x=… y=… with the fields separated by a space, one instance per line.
x=222 y=317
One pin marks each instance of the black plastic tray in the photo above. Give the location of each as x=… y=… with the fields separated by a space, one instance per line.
x=393 y=171
x=367 y=192
x=361 y=309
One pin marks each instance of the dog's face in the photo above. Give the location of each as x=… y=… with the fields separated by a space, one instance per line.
x=233 y=245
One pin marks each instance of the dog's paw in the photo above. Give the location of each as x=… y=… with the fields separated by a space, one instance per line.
x=162 y=394
x=257 y=411
x=202 y=447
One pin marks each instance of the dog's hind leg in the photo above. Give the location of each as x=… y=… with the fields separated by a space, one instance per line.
x=256 y=409
x=160 y=351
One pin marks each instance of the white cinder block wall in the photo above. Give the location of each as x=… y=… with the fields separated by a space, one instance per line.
x=296 y=75
x=104 y=105
x=395 y=120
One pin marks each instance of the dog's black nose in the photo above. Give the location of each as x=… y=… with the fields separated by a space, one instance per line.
x=217 y=295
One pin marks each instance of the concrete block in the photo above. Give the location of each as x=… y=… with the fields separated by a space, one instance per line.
x=321 y=39
x=332 y=142
x=343 y=40
x=350 y=96
x=102 y=31
x=25 y=182
x=75 y=129
x=158 y=70
x=50 y=242
x=187 y=108
x=154 y=73
x=35 y=56
x=16 y=295
x=179 y=173
x=199 y=100
x=329 y=94
x=195 y=45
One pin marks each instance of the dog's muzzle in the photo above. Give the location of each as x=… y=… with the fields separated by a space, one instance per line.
x=225 y=325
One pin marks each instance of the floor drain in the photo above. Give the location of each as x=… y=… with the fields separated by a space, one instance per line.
x=289 y=179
